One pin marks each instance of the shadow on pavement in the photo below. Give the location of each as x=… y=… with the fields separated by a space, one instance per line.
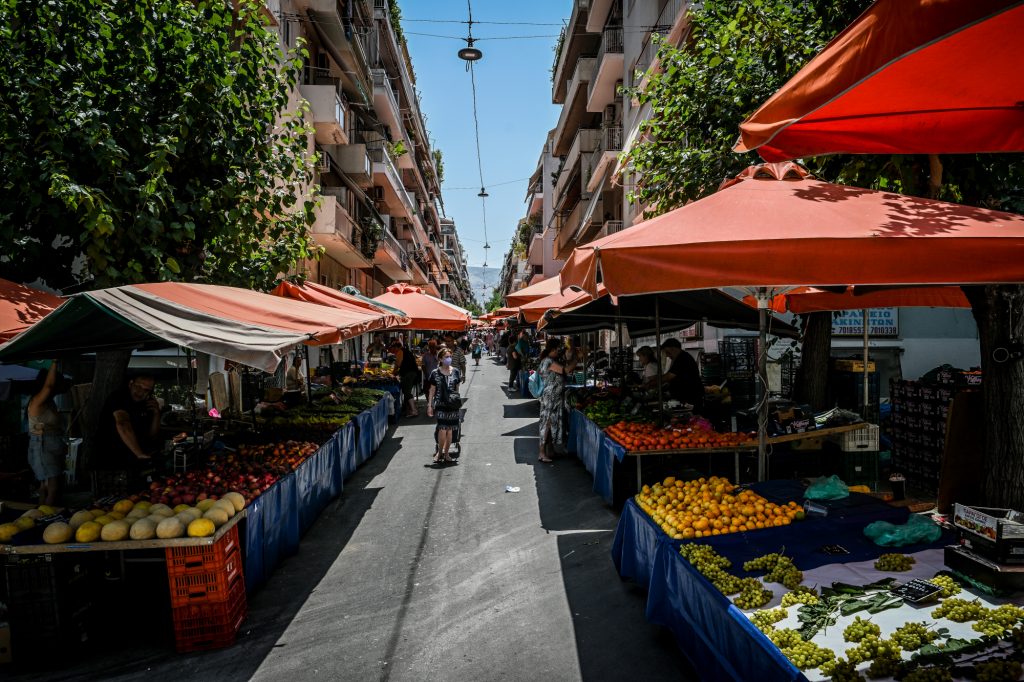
x=271 y=608
x=585 y=526
x=530 y=410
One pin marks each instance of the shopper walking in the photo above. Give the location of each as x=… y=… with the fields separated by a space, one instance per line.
x=428 y=362
x=444 y=403
x=408 y=377
x=477 y=351
x=518 y=354
x=552 y=370
x=458 y=355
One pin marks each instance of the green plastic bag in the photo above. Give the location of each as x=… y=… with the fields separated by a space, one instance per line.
x=831 y=488
x=917 y=529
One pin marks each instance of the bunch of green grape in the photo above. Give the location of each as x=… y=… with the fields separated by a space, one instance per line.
x=752 y=595
x=998 y=670
x=841 y=670
x=936 y=673
x=886 y=664
x=894 y=562
x=799 y=597
x=872 y=647
x=995 y=622
x=960 y=610
x=703 y=556
x=808 y=655
x=766 y=618
x=913 y=636
x=780 y=569
x=950 y=587
x=784 y=638
x=859 y=629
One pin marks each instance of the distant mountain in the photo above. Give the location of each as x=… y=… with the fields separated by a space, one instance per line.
x=483 y=280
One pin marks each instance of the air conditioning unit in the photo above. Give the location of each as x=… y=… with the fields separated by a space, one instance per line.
x=377 y=193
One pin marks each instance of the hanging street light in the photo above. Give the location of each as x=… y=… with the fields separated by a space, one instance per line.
x=470 y=53
x=483 y=193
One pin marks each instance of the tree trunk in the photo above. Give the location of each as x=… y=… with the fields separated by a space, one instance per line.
x=816 y=347
x=111 y=368
x=999 y=313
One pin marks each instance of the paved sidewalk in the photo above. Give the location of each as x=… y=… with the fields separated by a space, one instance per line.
x=419 y=573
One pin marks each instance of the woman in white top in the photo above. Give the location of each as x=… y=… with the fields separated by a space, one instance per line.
x=46 y=448
x=649 y=373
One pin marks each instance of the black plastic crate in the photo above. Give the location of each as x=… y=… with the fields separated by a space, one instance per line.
x=860 y=468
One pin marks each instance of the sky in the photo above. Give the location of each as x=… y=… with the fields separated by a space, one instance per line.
x=513 y=86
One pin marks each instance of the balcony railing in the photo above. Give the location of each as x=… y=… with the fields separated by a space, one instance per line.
x=391 y=242
x=609 y=144
x=379 y=155
x=666 y=20
x=586 y=141
x=612 y=226
x=611 y=43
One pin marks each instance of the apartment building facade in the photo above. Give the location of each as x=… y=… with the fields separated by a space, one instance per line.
x=380 y=217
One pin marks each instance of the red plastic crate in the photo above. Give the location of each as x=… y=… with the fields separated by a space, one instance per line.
x=204 y=557
x=193 y=586
x=210 y=625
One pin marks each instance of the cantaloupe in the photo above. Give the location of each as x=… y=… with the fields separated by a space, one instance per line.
x=201 y=528
x=143 y=529
x=25 y=522
x=117 y=516
x=97 y=512
x=205 y=505
x=115 y=531
x=57 y=532
x=143 y=504
x=170 y=528
x=8 y=531
x=188 y=516
x=217 y=515
x=33 y=514
x=104 y=520
x=78 y=518
x=235 y=499
x=88 y=532
x=226 y=506
x=136 y=513
x=124 y=506
x=161 y=509
x=156 y=518
x=180 y=508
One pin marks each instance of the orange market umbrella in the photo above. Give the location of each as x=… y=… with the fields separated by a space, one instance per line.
x=776 y=227
x=425 y=311
x=907 y=77
x=321 y=295
x=532 y=312
x=533 y=292
x=21 y=307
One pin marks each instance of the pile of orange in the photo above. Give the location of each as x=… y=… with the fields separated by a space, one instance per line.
x=711 y=506
x=644 y=437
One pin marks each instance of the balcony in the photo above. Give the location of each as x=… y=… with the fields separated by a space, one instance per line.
x=591 y=219
x=575 y=43
x=603 y=158
x=353 y=161
x=335 y=231
x=567 y=225
x=608 y=71
x=668 y=26
x=611 y=227
x=575 y=107
x=535 y=252
x=585 y=142
x=395 y=195
x=385 y=103
x=390 y=257
x=327 y=105
x=598 y=14
x=416 y=268
x=331 y=29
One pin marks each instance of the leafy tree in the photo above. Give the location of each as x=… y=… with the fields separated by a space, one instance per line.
x=496 y=300
x=472 y=306
x=149 y=141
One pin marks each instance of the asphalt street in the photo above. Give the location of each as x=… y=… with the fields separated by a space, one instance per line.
x=425 y=573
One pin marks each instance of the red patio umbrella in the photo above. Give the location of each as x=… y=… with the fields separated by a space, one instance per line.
x=907 y=77
x=532 y=312
x=774 y=226
x=533 y=292
x=425 y=311
x=332 y=298
x=21 y=307
x=812 y=300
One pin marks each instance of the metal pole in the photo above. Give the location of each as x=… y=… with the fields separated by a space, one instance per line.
x=622 y=360
x=867 y=395
x=657 y=342
x=762 y=385
x=309 y=393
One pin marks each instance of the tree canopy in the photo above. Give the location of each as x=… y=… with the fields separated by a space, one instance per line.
x=149 y=140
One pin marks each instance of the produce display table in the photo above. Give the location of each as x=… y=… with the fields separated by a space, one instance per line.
x=371 y=428
x=717 y=637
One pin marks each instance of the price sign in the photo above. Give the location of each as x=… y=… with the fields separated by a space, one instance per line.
x=881 y=322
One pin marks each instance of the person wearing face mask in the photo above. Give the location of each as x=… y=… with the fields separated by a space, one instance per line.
x=444 y=403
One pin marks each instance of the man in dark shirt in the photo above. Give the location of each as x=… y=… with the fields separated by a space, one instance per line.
x=130 y=424
x=683 y=376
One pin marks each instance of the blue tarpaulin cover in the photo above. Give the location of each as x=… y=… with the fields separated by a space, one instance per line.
x=594 y=449
x=380 y=421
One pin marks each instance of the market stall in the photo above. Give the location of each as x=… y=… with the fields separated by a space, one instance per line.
x=21 y=307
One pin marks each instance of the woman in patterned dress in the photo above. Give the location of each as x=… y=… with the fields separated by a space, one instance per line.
x=552 y=403
x=444 y=389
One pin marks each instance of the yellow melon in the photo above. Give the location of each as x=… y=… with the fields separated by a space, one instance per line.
x=201 y=528
x=97 y=512
x=204 y=505
x=143 y=529
x=217 y=515
x=161 y=509
x=8 y=531
x=25 y=522
x=117 y=516
x=57 y=532
x=104 y=520
x=114 y=531
x=124 y=506
x=180 y=508
x=79 y=518
x=236 y=499
x=33 y=514
x=88 y=532
x=170 y=528
x=143 y=504
x=47 y=510
x=226 y=506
